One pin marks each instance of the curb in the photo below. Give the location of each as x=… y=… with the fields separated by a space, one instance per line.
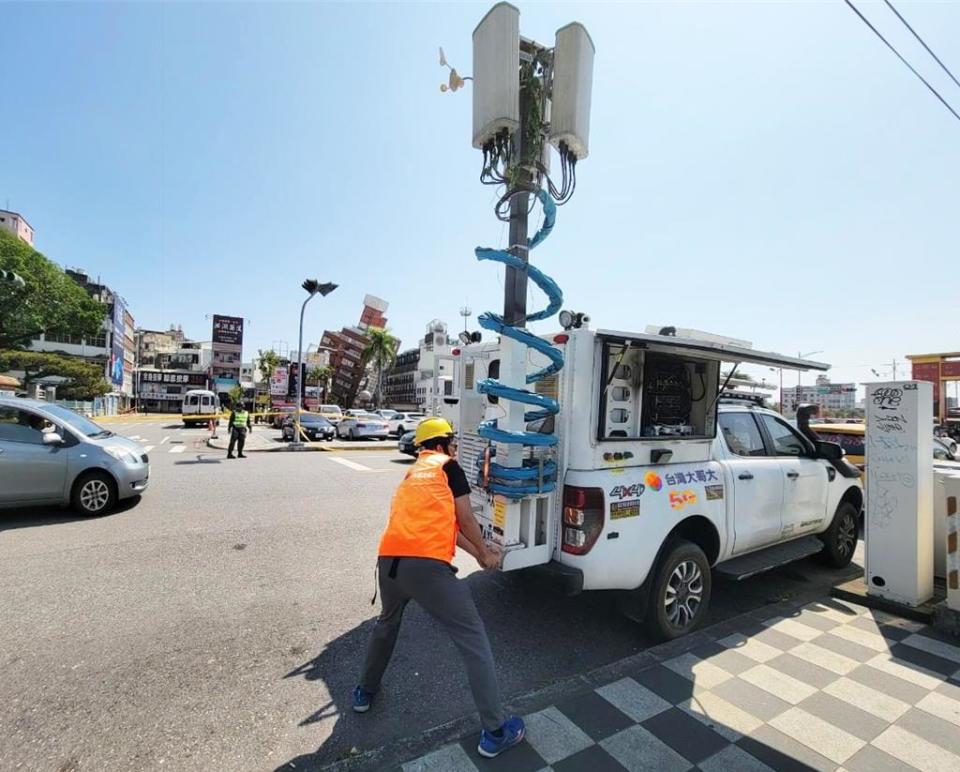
x=399 y=751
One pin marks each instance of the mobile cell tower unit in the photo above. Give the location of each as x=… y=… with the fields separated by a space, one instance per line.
x=607 y=456
x=527 y=99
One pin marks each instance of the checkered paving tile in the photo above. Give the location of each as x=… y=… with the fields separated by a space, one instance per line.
x=828 y=686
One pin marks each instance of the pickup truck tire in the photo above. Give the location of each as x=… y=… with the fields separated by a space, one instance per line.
x=840 y=539
x=680 y=593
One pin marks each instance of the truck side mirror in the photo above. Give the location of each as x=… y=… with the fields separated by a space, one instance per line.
x=831 y=451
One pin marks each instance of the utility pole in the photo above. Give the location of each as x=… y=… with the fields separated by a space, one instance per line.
x=515 y=280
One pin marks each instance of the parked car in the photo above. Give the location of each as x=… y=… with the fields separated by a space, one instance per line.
x=851 y=438
x=363 y=426
x=405 y=444
x=386 y=413
x=280 y=415
x=401 y=423
x=332 y=413
x=314 y=426
x=51 y=455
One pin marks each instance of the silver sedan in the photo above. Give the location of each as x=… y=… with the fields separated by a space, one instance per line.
x=51 y=455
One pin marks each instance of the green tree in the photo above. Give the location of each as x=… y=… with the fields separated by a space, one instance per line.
x=50 y=301
x=381 y=350
x=269 y=360
x=85 y=381
x=321 y=376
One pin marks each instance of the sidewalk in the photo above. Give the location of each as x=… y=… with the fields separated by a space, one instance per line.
x=825 y=686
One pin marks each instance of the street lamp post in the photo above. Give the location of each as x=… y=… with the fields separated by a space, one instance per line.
x=800 y=372
x=313 y=287
x=780 y=371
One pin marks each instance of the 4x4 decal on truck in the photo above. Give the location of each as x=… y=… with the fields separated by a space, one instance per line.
x=627 y=491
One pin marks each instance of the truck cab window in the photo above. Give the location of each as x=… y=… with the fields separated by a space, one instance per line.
x=786 y=442
x=741 y=433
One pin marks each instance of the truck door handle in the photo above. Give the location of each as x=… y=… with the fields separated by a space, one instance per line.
x=745 y=476
x=793 y=475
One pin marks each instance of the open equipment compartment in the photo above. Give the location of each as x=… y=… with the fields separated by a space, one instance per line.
x=655 y=394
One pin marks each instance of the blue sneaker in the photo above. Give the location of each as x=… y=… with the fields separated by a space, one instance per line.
x=511 y=734
x=362 y=700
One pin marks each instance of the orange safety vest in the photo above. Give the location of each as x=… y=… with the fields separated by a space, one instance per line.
x=423 y=518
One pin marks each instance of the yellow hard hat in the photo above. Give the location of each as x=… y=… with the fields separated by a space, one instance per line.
x=430 y=428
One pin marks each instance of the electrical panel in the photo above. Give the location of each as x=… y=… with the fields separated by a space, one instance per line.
x=496 y=73
x=667 y=398
x=572 y=89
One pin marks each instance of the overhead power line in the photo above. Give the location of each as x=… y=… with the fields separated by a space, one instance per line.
x=929 y=50
x=900 y=57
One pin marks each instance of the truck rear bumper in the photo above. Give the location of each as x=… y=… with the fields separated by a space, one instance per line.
x=569 y=579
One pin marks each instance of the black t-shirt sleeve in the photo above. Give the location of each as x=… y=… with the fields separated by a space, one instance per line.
x=456 y=478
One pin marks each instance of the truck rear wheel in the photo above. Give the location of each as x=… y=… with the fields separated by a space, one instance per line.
x=840 y=539
x=681 y=591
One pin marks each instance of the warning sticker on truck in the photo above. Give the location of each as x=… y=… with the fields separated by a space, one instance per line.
x=713 y=492
x=499 y=512
x=622 y=509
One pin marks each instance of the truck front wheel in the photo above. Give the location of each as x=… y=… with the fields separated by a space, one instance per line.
x=840 y=539
x=681 y=591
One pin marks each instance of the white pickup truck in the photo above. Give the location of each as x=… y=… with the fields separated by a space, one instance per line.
x=655 y=481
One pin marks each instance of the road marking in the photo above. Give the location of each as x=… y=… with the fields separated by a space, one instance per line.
x=177 y=449
x=137 y=436
x=165 y=439
x=351 y=464
x=147 y=448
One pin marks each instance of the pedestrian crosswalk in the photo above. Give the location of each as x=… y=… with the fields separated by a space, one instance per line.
x=350 y=464
x=177 y=449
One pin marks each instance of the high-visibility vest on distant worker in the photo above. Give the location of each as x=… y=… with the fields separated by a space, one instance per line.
x=240 y=419
x=423 y=518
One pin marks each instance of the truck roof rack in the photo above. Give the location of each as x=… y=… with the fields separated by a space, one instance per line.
x=741 y=398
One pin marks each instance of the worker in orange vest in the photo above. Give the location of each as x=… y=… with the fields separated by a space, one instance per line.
x=429 y=517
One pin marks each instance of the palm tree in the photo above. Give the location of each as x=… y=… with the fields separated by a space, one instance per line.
x=321 y=375
x=381 y=350
x=268 y=362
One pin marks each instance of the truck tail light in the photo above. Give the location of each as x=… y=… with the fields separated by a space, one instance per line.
x=582 y=518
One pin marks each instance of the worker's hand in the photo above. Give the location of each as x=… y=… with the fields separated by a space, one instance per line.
x=490 y=557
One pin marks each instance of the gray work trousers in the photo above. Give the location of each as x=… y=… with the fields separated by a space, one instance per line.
x=433 y=584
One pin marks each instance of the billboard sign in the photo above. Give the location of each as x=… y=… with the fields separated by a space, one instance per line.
x=228 y=330
x=278 y=382
x=190 y=379
x=115 y=366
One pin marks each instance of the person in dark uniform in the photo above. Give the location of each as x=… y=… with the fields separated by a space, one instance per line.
x=429 y=517
x=238 y=426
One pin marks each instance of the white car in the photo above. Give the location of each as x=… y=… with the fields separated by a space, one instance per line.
x=387 y=413
x=363 y=426
x=402 y=423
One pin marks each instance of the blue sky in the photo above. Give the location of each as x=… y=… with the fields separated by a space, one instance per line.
x=767 y=171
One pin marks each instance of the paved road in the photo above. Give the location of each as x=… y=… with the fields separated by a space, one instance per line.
x=220 y=622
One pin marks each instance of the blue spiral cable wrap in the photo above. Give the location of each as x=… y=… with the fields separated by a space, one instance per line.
x=532 y=477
